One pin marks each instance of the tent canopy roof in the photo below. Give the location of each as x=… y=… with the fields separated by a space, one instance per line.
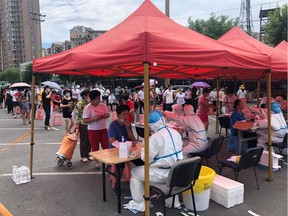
x=148 y=35
x=237 y=38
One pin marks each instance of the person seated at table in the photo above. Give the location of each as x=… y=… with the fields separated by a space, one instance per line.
x=165 y=149
x=278 y=127
x=228 y=101
x=194 y=126
x=122 y=128
x=238 y=115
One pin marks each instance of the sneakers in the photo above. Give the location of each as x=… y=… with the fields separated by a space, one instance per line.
x=90 y=158
x=47 y=128
x=84 y=160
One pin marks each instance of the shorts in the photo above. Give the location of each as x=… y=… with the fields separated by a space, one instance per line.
x=15 y=103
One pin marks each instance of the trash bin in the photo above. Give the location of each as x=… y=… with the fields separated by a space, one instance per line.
x=201 y=190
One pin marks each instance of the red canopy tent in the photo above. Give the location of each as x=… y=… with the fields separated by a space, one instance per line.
x=237 y=38
x=148 y=35
x=283 y=45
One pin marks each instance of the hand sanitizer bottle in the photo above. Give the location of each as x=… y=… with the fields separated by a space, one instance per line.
x=123 y=150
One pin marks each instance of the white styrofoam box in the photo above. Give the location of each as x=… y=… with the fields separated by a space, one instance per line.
x=227 y=192
x=275 y=160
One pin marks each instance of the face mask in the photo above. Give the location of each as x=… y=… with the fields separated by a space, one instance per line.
x=97 y=101
x=67 y=95
x=48 y=90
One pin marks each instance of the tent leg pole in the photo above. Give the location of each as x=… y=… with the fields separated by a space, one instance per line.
x=32 y=126
x=258 y=93
x=270 y=176
x=146 y=137
x=217 y=106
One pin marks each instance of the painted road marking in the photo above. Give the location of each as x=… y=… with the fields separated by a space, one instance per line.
x=57 y=174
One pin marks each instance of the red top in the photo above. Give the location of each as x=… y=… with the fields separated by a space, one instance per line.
x=130 y=103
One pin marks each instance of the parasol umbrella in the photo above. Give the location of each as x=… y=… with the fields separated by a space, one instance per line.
x=20 y=85
x=200 y=85
x=51 y=84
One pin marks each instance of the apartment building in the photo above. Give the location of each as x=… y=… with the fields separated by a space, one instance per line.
x=20 y=32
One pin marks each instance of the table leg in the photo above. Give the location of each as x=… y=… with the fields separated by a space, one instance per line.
x=239 y=141
x=104 y=181
x=118 y=180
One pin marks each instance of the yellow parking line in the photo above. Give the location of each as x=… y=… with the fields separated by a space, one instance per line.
x=4 y=211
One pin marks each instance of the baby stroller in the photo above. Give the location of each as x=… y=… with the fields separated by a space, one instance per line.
x=65 y=153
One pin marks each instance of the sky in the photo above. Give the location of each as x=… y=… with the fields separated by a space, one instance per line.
x=62 y=15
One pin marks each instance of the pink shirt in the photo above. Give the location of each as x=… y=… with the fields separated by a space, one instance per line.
x=92 y=111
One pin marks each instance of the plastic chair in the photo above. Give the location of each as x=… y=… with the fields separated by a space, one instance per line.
x=40 y=114
x=57 y=119
x=140 y=131
x=281 y=145
x=249 y=158
x=224 y=122
x=125 y=176
x=141 y=118
x=189 y=170
x=214 y=149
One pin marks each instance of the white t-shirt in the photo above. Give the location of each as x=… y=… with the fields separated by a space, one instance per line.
x=180 y=98
x=92 y=111
x=241 y=94
x=169 y=96
x=141 y=95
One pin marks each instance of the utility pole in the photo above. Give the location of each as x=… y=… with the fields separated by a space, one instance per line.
x=167 y=12
x=246 y=17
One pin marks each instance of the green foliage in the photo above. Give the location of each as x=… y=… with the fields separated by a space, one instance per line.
x=276 y=27
x=214 y=27
x=11 y=75
x=27 y=76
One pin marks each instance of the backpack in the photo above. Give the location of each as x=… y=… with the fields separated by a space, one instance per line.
x=9 y=96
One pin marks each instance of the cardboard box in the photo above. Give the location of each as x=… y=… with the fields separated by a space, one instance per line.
x=264 y=161
x=227 y=192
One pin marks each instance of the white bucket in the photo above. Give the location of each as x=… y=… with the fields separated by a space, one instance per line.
x=201 y=200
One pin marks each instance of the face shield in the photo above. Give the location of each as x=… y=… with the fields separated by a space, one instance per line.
x=189 y=110
x=156 y=120
x=177 y=109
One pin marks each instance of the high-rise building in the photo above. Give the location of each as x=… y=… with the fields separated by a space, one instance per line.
x=80 y=35
x=20 y=32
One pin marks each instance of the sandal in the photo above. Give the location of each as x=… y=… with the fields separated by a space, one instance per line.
x=84 y=160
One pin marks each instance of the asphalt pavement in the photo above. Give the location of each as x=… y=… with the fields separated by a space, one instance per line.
x=78 y=192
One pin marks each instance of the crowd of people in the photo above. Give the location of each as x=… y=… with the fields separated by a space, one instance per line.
x=186 y=112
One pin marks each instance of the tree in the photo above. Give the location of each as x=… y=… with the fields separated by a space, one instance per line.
x=27 y=75
x=11 y=75
x=275 y=29
x=214 y=27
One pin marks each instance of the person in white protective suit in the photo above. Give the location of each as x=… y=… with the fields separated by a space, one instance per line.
x=278 y=127
x=196 y=130
x=165 y=149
